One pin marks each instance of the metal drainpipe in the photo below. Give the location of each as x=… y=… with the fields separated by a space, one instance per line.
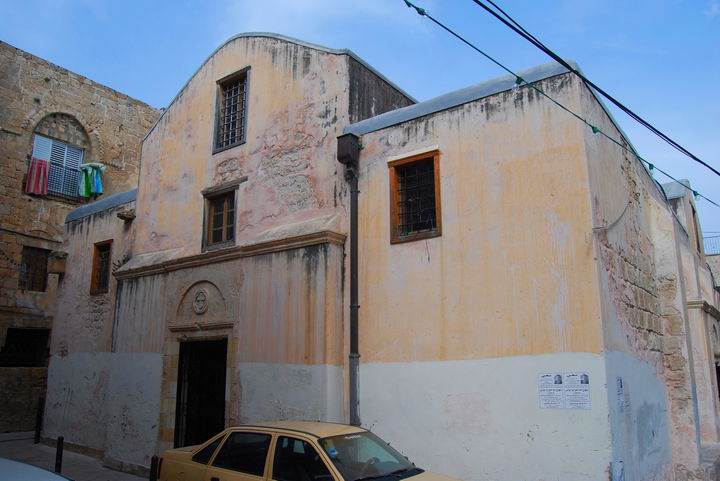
x=348 y=154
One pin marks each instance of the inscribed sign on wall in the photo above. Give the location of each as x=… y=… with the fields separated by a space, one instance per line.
x=570 y=390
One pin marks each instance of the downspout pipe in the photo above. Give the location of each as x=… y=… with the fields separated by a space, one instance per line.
x=348 y=154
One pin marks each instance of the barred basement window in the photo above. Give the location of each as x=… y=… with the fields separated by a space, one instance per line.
x=415 y=198
x=33 y=269
x=100 y=281
x=64 y=165
x=220 y=220
x=232 y=111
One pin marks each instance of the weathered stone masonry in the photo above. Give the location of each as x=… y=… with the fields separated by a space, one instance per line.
x=39 y=97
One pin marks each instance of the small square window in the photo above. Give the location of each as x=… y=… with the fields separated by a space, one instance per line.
x=231 y=111
x=220 y=219
x=415 y=198
x=100 y=282
x=33 y=269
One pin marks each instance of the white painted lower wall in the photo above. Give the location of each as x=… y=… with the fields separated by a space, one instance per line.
x=133 y=407
x=481 y=420
x=109 y=402
x=75 y=406
x=639 y=418
x=290 y=391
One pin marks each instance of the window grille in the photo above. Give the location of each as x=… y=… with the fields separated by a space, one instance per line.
x=231 y=117
x=415 y=203
x=64 y=160
x=33 y=269
x=416 y=197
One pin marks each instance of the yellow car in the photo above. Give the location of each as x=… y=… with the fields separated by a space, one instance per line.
x=291 y=451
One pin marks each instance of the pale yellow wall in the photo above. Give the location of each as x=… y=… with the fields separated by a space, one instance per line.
x=513 y=272
x=297 y=105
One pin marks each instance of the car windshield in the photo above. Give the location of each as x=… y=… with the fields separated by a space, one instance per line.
x=365 y=456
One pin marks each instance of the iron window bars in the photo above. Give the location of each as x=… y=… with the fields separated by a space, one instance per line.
x=232 y=110
x=415 y=198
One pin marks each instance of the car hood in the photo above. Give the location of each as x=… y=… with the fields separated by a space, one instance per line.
x=13 y=470
x=429 y=476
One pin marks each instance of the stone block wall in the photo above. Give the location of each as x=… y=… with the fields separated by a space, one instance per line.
x=39 y=97
x=20 y=391
x=714 y=263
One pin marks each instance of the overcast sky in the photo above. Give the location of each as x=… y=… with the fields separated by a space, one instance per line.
x=660 y=57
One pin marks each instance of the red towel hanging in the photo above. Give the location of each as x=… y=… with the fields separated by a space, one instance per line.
x=37 y=177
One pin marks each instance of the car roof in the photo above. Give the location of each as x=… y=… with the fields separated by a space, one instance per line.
x=15 y=470
x=314 y=428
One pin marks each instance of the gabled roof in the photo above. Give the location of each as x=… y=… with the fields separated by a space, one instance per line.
x=277 y=36
x=455 y=98
x=105 y=203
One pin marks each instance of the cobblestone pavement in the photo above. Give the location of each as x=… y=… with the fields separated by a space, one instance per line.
x=20 y=447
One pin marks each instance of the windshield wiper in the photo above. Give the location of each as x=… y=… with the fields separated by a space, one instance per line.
x=391 y=473
x=375 y=476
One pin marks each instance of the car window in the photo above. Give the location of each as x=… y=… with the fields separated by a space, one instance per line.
x=203 y=456
x=362 y=455
x=297 y=460
x=244 y=452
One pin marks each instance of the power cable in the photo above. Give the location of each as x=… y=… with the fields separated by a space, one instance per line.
x=517 y=28
x=519 y=81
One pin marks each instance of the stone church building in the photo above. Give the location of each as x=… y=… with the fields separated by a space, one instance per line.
x=531 y=302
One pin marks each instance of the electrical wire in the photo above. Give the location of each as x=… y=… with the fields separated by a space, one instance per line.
x=517 y=28
x=519 y=81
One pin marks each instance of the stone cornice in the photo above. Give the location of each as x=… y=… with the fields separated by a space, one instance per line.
x=705 y=306
x=199 y=326
x=237 y=252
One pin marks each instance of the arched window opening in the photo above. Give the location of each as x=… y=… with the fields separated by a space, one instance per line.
x=60 y=146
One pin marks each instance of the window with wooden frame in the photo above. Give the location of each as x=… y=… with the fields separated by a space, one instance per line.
x=102 y=262
x=415 y=198
x=231 y=115
x=33 y=269
x=220 y=219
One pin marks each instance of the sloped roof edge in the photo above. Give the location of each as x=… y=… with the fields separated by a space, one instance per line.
x=675 y=190
x=277 y=36
x=105 y=203
x=455 y=98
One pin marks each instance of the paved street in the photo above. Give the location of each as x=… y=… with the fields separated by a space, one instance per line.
x=20 y=447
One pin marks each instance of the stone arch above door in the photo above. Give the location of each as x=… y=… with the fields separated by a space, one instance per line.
x=201 y=306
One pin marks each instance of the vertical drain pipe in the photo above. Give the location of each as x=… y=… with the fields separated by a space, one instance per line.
x=348 y=154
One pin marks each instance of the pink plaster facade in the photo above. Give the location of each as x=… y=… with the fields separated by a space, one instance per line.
x=559 y=253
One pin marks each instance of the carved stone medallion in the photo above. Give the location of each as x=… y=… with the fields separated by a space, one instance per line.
x=200 y=303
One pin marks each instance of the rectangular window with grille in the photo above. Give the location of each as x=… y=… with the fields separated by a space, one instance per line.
x=231 y=111
x=415 y=198
x=33 y=269
x=64 y=165
x=220 y=220
x=102 y=262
